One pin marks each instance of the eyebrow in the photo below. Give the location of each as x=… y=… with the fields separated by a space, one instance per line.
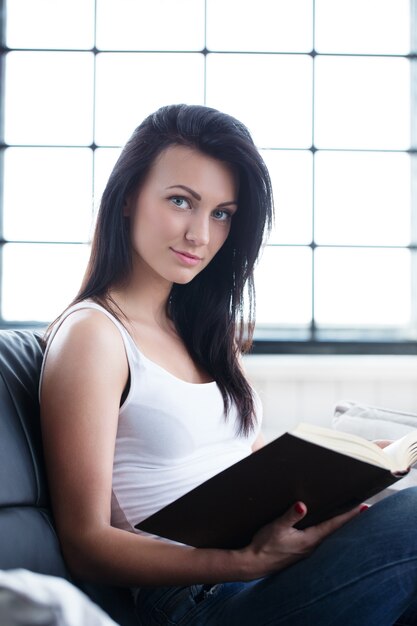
x=197 y=195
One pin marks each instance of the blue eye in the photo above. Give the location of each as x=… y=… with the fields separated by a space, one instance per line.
x=222 y=216
x=180 y=202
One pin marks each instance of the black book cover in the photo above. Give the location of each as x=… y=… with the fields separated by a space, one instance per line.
x=227 y=510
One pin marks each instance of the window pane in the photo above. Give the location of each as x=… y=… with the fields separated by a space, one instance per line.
x=50 y=23
x=131 y=86
x=265 y=25
x=365 y=27
x=362 y=198
x=283 y=287
x=49 y=98
x=47 y=194
x=39 y=280
x=362 y=103
x=292 y=181
x=104 y=161
x=355 y=287
x=271 y=94
x=156 y=25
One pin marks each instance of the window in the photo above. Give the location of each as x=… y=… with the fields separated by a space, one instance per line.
x=328 y=90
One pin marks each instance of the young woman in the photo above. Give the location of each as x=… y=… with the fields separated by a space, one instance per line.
x=143 y=397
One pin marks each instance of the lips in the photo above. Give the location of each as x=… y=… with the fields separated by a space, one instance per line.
x=186 y=257
x=187 y=254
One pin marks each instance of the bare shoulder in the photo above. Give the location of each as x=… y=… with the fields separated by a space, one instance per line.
x=87 y=344
x=84 y=330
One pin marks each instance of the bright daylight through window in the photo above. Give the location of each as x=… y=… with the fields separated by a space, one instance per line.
x=328 y=89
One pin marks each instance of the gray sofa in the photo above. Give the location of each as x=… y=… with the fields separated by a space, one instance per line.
x=27 y=535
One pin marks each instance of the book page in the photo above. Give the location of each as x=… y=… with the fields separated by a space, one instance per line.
x=351 y=445
x=403 y=451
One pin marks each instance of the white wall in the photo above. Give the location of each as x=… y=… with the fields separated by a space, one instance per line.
x=307 y=388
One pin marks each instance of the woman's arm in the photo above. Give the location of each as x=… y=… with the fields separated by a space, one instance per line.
x=85 y=373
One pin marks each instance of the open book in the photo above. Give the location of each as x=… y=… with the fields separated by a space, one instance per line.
x=398 y=457
x=330 y=471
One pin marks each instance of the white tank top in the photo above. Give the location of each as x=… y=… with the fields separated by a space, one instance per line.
x=172 y=435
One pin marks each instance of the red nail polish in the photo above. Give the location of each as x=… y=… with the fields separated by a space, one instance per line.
x=364 y=507
x=299 y=508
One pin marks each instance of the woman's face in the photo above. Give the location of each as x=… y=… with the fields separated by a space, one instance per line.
x=182 y=214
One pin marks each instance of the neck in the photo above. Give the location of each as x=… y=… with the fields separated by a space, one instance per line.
x=143 y=302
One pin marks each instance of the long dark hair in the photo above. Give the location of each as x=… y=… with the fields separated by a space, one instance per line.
x=208 y=312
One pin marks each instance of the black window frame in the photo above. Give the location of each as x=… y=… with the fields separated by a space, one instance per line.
x=310 y=340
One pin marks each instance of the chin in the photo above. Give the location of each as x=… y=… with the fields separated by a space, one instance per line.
x=183 y=281
x=184 y=278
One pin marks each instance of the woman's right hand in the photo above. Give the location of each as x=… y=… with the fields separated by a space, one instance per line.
x=279 y=544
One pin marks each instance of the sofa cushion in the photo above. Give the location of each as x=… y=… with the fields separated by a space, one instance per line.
x=21 y=466
x=28 y=540
x=27 y=536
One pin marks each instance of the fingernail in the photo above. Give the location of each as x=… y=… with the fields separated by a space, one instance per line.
x=299 y=508
x=364 y=507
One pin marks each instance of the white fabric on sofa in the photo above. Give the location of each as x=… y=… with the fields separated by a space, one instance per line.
x=27 y=599
x=372 y=422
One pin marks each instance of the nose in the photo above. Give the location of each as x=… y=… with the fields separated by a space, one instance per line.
x=198 y=230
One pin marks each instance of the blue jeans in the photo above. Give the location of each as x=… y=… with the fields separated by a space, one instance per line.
x=364 y=574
